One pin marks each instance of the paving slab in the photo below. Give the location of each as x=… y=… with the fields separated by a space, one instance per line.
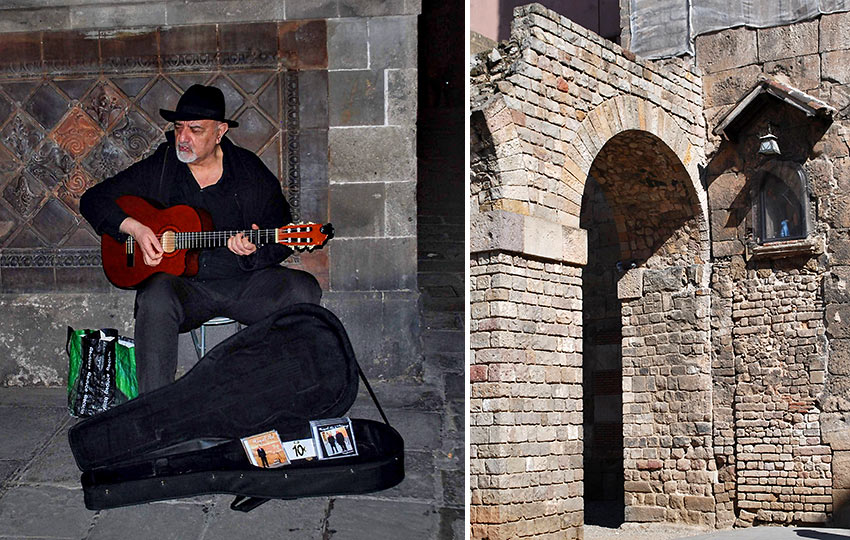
x=44 y=511
x=33 y=396
x=8 y=468
x=163 y=521
x=40 y=424
x=55 y=464
x=776 y=533
x=302 y=519
x=363 y=519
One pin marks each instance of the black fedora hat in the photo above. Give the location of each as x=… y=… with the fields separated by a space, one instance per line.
x=199 y=102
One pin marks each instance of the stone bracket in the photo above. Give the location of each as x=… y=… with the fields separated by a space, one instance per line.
x=500 y=230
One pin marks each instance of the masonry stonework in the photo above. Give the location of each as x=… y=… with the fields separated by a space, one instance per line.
x=643 y=181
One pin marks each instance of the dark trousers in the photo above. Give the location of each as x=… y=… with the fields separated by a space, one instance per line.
x=167 y=305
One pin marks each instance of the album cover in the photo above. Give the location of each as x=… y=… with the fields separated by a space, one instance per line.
x=333 y=438
x=265 y=450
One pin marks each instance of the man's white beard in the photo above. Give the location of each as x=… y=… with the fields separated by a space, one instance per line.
x=186 y=157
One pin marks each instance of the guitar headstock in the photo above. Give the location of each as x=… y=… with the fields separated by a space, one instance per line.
x=305 y=236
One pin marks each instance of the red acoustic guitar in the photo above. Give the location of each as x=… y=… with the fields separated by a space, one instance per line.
x=183 y=231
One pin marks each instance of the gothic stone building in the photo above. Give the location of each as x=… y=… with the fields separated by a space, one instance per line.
x=660 y=259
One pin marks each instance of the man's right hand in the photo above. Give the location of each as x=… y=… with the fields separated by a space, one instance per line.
x=145 y=239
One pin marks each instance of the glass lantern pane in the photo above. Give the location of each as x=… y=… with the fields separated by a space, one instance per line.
x=784 y=214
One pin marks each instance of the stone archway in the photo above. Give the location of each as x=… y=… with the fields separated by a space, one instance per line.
x=649 y=271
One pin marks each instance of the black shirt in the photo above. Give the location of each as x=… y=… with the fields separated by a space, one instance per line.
x=246 y=193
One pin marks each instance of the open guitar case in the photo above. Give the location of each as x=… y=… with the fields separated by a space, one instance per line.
x=184 y=439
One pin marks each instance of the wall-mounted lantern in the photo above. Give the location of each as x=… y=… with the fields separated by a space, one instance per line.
x=769 y=145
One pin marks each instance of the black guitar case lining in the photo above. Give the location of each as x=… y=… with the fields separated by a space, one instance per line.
x=184 y=439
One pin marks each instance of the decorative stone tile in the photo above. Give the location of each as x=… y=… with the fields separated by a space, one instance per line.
x=77 y=134
x=20 y=53
x=252 y=81
x=8 y=162
x=160 y=96
x=135 y=134
x=73 y=187
x=106 y=160
x=188 y=48
x=70 y=51
x=8 y=224
x=81 y=238
x=131 y=86
x=129 y=53
x=24 y=194
x=50 y=163
x=268 y=100
x=271 y=157
x=185 y=80
x=47 y=106
x=6 y=108
x=303 y=45
x=105 y=104
x=233 y=99
x=254 y=130
x=26 y=238
x=248 y=44
x=75 y=88
x=19 y=91
x=53 y=221
x=21 y=136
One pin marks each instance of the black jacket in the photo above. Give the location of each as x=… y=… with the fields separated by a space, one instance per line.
x=247 y=193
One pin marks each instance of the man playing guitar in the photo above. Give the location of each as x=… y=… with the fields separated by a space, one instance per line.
x=198 y=166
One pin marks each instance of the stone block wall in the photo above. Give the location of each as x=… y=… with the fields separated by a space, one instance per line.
x=543 y=107
x=338 y=128
x=780 y=402
x=526 y=424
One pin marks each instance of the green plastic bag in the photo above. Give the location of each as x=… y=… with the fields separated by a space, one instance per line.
x=101 y=370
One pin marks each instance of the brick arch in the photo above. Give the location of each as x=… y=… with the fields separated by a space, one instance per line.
x=626 y=113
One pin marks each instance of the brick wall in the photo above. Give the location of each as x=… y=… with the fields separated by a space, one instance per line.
x=545 y=104
x=526 y=424
x=779 y=403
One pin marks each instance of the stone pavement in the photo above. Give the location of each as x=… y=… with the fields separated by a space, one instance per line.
x=41 y=497
x=40 y=494
x=662 y=531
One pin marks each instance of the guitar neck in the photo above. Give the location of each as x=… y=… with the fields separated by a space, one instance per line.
x=213 y=239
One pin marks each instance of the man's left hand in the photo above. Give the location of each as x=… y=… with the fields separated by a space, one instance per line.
x=240 y=245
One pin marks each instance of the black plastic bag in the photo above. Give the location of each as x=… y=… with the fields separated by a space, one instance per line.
x=94 y=375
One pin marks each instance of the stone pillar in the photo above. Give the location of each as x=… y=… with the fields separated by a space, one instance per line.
x=668 y=459
x=525 y=369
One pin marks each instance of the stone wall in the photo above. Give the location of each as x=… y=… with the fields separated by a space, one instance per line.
x=780 y=402
x=351 y=160
x=544 y=106
x=526 y=424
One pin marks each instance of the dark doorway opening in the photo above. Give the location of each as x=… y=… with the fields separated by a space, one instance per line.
x=602 y=368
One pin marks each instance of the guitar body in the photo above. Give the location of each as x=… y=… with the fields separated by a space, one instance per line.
x=127 y=271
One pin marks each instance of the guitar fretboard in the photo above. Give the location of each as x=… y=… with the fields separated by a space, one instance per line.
x=291 y=235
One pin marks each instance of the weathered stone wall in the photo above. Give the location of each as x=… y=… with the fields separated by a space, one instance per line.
x=544 y=106
x=352 y=159
x=526 y=424
x=780 y=404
